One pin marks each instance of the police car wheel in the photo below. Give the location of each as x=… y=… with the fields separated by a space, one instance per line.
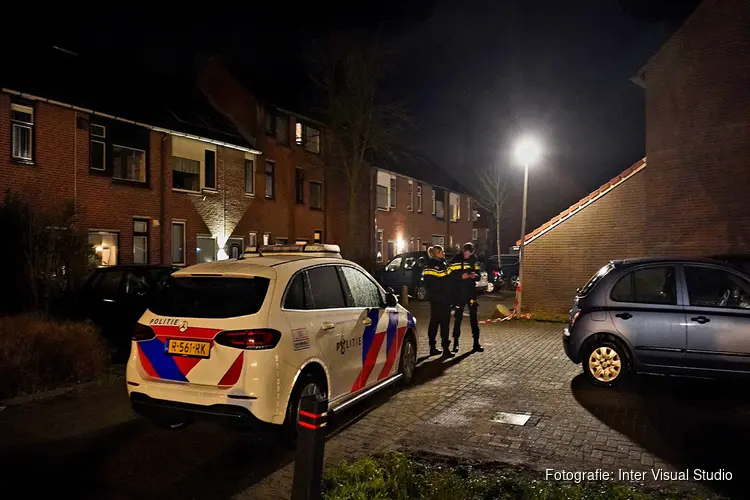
x=408 y=363
x=308 y=384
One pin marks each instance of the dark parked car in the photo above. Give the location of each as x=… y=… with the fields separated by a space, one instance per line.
x=508 y=270
x=115 y=297
x=661 y=315
x=407 y=269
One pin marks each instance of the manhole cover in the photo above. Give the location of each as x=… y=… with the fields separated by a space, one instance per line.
x=502 y=417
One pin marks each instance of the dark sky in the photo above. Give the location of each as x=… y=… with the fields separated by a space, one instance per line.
x=474 y=74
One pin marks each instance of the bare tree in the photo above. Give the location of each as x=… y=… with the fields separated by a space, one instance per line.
x=492 y=195
x=362 y=124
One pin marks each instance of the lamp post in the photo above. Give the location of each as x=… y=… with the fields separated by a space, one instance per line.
x=527 y=152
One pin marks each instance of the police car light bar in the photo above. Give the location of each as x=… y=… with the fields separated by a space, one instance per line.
x=322 y=250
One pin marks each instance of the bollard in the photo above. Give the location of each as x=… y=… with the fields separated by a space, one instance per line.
x=308 y=461
x=404 y=295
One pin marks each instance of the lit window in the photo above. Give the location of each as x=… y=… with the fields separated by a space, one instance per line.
x=267 y=238
x=379 y=246
x=318 y=236
x=105 y=246
x=307 y=137
x=22 y=126
x=128 y=164
x=252 y=239
x=454 y=206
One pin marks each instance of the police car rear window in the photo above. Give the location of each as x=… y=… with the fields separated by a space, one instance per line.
x=210 y=297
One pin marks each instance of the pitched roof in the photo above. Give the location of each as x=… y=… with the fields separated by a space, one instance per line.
x=584 y=202
x=417 y=166
x=123 y=90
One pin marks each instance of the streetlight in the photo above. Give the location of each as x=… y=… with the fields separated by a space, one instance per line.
x=527 y=152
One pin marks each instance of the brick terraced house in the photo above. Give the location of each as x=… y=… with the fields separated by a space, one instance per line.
x=690 y=196
x=159 y=176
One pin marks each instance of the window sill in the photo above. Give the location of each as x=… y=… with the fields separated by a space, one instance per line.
x=271 y=198
x=383 y=209
x=20 y=161
x=126 y=182
x=210 y=191
x=186 y=191
x=250 y=195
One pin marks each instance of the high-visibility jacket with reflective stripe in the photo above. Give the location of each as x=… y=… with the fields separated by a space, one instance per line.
x=436 y=281
x=465 y=290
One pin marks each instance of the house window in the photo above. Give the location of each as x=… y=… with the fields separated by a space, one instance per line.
x=282 y=129
x=97 y=147
x=270 y=122
x=299 y=185
x=410 y=203
x=128 y=164
x=383 y=190
x=419 y=244
x=234 y=247
x=316 y=195
x=307 y=137
x=419 y=197
x=474 y=235
x=411 y=245
x=270 y=166
x=391 y=249
x=392 y=194
x=205 y=249
x=22 y=132
x=105 y=244
x=186 y=174
x=178 y=242
x=282 y=240
x=438 y=203
x=438 y=240
x=249 y=177
x=140 y=241
x=379 y=246
x=210 y=163
x=267 y=238
x=318 y=236
x=433 y=202
x=252 y=239
x=454 y=207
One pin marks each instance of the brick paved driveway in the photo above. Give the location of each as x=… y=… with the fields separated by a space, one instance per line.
x=649 y=422
x=90 y=442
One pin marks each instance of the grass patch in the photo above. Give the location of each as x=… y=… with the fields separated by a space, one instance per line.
x=39 y=353
x=398 y=476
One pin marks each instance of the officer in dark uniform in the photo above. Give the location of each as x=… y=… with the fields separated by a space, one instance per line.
x=438 y=293
x=464 y=271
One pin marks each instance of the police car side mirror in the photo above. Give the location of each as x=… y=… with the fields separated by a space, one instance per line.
x=390 y=299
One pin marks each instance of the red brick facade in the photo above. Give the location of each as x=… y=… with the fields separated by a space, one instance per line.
x=692 y=198
x=415 y=229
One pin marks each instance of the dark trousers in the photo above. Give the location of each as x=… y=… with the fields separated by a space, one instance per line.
x=440 y=316
x=472 y=319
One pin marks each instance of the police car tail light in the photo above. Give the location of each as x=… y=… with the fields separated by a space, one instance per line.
x=249 y=339
x=142 y=332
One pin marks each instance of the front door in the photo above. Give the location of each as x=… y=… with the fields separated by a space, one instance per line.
x=718 y=319
x=645 y=310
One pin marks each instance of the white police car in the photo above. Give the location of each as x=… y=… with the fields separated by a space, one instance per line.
x=246 y=339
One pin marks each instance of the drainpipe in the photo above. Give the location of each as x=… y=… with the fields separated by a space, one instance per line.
x=75 y=161
x=162 y=171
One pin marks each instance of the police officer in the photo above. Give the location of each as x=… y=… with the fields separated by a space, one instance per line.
x=438 y=289
x=464 y=272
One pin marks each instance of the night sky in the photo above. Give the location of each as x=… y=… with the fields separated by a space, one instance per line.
x=474 y=74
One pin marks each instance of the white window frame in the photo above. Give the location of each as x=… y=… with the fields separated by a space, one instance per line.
x=454 y=208
x=419 y=197
x=114 y=232
x=214 y=189
x=234 y=239
x=379 y=240
x=18 y=124
x=267 y=237
x=206 y=237
x=103 y=136
x=419 y=245
x=252 y=239
x=474 y=234
x=392 y=190
x=141 y=234
x=410 y=206
x=184 y=238
x=145 y=165
x=273 y=180
x=190 y=149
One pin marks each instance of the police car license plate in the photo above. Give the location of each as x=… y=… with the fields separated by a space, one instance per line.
x=194 y=348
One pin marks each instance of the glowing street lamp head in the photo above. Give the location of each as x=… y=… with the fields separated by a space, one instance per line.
x=528 y=151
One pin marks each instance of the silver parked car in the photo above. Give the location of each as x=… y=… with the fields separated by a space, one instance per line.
x=661 y=315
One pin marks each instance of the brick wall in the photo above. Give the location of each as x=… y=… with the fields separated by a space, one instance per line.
x=692 y=198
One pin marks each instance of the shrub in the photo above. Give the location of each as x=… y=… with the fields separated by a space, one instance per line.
x=37 y=352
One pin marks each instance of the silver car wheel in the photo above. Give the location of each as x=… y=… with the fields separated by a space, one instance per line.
x=409 y=360
x=605 y=364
